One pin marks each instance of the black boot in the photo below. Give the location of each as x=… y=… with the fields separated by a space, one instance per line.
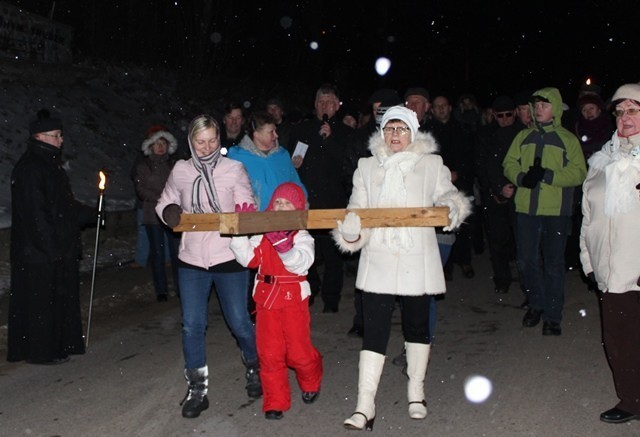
x=254 y=386
x=196 y=399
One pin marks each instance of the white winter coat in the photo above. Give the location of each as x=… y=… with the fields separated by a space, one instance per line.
x=609 y=238
x=407 y=261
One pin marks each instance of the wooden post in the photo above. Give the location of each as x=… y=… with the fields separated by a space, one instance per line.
x=235 y=223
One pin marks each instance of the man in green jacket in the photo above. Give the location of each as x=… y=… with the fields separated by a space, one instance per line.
x=545 y=162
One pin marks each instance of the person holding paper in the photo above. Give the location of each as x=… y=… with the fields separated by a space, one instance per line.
x=398 y=263
x=321 y=173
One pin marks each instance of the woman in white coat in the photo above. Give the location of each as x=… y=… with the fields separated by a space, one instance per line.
x=404 y=171
x=610 y=248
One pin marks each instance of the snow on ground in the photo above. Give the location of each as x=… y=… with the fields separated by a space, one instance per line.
x=105 y=111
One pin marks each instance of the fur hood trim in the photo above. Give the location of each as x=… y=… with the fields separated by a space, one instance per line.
x=173 y=143
x=424 y=144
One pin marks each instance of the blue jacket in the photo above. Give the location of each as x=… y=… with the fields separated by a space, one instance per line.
x=266 y=171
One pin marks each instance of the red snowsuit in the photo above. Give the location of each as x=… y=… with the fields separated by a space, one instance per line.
x=283 y=332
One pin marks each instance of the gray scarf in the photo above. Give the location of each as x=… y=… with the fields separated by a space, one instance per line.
x=205 y=166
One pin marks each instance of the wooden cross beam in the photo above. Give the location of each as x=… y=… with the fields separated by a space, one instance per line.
x=243 y=223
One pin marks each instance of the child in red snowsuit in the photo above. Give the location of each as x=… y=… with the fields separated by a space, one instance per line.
x=283 y=332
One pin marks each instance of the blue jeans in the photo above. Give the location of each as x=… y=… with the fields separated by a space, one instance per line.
x=195 y=287
x=158 y=235
x=142 y=241
x=541 y=244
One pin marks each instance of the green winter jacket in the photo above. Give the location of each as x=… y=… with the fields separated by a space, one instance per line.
x=561 y=157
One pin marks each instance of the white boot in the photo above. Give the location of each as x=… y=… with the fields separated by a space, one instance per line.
x=417 y=361
x=370 y=369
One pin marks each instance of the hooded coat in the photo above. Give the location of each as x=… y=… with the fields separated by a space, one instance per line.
x=401 y=261
x=561 y=157
x=266 y=170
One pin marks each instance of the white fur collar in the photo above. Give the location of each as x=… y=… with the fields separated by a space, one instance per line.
x=424 y=144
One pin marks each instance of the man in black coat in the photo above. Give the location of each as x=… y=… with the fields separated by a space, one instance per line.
x=321 y=172
x=497 y=192
x=456 y=149
x=44 y=325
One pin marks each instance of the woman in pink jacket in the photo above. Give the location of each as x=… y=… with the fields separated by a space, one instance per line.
x=209 y=182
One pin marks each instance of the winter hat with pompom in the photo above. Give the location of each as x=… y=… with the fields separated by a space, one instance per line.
x=290 y=191
x=154 y=133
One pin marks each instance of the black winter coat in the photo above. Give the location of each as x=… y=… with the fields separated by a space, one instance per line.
x=322 y=167
x=44 y=309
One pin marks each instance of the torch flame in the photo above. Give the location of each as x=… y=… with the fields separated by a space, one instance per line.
x=588 y=82
x=103 y=180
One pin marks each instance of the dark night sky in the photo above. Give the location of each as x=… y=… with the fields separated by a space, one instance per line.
x=452 y=47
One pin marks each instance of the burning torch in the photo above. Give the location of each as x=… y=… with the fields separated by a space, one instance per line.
x=100 y=224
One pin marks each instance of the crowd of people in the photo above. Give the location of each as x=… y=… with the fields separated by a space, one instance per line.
x=512 y=176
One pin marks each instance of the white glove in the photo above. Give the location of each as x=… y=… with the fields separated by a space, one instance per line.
x=350 y=228
x=454 y=217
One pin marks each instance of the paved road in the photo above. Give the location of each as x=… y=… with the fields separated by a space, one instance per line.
x=129 y=383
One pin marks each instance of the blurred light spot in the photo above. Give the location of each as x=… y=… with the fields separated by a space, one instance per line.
x=313 y=45
x=215 y=37
x=477 y=388
x=382 y=65
x=583 y=313
x=286 y=22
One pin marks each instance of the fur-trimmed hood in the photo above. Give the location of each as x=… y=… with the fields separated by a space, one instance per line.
x=424 y=144
x=147 y=143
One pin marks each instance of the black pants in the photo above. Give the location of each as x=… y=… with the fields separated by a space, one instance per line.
x=377 y=311
x=621 y=335
x=331 y=284
x=500 y=239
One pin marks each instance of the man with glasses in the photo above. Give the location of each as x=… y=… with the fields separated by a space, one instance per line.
x=545 y=162
x=44 y=325
x=496 y=191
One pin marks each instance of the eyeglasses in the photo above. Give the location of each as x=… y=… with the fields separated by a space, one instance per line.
x=400 y=130
x=53 y=136
x=629 y=111
x=504 y=114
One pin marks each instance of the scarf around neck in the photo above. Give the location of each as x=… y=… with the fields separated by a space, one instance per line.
x=205 y=166
x=622 y=174
x=393 y=193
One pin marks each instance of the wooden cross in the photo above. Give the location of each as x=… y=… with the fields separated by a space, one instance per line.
x=242 y=223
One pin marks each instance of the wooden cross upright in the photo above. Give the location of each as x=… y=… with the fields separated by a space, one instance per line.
x=242 y=223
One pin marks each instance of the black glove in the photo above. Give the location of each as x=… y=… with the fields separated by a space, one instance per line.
x=534 y=175
x=171 y=215
x=592 y=277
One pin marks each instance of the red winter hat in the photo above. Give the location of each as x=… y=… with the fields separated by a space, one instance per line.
x=155 y=132
x=155 y=128
x=290 y=191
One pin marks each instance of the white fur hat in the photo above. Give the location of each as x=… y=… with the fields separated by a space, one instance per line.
x=154 y=133
x=628 y=91
x=403 y=114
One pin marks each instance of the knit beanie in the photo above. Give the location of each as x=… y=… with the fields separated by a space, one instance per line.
x=591 y=98
x=154 y=133
x=403 y=114
x=290 y=191
x=629 y=91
